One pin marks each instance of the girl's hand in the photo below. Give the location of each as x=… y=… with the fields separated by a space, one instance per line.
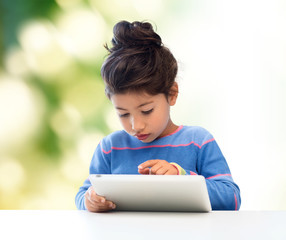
x=96 y=203
x=157 y=167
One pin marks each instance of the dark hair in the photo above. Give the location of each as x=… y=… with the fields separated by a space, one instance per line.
x=138 y=61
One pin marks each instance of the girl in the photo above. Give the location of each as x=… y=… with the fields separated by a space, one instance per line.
x=139 y=76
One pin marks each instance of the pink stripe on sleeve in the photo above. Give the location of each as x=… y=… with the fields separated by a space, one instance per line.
x=210 y=140
x=235 y=199
x=106 y=152
x=218 y=175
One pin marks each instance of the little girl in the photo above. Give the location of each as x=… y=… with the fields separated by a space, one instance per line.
x=139 y=76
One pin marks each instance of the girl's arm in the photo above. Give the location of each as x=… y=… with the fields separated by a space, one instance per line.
x=223 y=191
x=79 y=198
x=99 y=165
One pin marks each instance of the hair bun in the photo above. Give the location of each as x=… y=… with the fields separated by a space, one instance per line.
x=135 y=34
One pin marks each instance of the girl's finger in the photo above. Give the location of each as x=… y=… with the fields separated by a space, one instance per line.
x=161 y=171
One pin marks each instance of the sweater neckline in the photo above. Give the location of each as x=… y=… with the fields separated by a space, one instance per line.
x=177 y=130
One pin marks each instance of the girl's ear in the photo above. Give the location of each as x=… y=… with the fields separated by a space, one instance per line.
x=173 y=94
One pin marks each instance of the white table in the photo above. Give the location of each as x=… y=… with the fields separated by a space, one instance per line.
x=47 y=224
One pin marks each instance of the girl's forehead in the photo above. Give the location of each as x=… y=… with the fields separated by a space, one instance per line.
x=133 y=94
x=134 y=99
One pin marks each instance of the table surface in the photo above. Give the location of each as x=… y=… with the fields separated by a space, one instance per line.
x=73 y=224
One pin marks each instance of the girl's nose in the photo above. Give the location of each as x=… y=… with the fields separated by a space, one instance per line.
x=137 y=124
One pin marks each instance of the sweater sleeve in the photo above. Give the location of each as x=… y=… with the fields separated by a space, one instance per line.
x=100 y=164
x=224 y=193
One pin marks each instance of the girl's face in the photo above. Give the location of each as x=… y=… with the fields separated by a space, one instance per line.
x=145 y=116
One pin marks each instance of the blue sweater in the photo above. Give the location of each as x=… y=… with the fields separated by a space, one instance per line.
x=193 y=148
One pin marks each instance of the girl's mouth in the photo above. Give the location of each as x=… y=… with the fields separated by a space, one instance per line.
x=142 y=137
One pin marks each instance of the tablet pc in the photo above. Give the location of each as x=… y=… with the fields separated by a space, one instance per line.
x=153 y=192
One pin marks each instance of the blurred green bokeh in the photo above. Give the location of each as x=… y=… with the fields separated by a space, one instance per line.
x=55 y=111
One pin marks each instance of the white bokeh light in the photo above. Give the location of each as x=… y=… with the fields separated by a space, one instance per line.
x=43 y=48
x=11 y=183
x=84 y=30
x=20 y=112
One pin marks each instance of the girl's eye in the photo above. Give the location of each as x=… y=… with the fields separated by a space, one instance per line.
x=124 y=115
x=148 y=112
